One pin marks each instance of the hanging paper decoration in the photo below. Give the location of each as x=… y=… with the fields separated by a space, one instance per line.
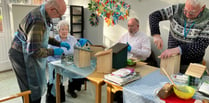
x=110 y=10
x=92 y=6
x=93 y=19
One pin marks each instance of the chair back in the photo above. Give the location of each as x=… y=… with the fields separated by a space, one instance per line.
x=24 y=94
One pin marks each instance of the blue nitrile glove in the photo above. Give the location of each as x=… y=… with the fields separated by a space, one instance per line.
x=65 y=44
x=82 y=41
x=129 y=47
x=58 y=51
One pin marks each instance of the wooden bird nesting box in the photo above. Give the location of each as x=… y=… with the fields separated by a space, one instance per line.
x=119 y=55
x=82 y=57
x=95 y=49
x=104 y=61
x=171 y=64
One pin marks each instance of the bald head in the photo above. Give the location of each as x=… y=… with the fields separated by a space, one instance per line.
x=61 y=6
x=134 y=20
x=55 y=8
x=133 y=25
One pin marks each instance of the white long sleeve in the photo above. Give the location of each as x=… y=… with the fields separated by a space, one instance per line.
x=140 y=45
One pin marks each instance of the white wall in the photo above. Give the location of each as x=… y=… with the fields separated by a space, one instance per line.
x=18 y=13
x=108 y=35
x=94 y=34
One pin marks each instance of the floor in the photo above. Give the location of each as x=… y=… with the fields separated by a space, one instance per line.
x=9 y=86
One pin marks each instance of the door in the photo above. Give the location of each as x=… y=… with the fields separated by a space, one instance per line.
x=5 y=36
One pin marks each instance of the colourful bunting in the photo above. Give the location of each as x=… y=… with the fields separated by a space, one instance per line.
x=110 y=10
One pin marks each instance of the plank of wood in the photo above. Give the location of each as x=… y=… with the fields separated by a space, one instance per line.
x=195 y=70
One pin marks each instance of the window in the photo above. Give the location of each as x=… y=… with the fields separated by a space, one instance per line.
x=38 y=2
x=32 y=2
x=18 y=1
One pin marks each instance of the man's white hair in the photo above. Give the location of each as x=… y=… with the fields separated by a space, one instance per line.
x=201 y=3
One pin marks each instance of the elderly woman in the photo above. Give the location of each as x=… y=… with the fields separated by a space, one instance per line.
x=74 y=84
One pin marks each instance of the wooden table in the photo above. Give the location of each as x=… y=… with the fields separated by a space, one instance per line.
x=98 y=80
x=142 y=68
x=95 y=78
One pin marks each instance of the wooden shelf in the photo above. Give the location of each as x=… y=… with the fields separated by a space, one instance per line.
x=76 y=21
x=77 y=15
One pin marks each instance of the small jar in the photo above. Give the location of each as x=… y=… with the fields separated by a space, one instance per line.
x=63 y=59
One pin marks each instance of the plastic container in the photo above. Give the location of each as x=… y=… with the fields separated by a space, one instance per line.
x=184 y=92
x=63 y=59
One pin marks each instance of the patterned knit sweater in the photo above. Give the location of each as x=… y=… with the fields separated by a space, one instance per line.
x=192 y=36
x=31 y=29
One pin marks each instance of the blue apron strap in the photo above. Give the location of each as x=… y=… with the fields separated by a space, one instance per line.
x=16 y=35
x=42 y=9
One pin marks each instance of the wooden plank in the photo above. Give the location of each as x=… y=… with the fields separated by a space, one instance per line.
x=171 y=64
x=82 y=58
x=195 y=70
x=104 y=61
x=95 y=49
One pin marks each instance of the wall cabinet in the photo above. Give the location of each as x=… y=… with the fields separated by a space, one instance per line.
x=76 y=21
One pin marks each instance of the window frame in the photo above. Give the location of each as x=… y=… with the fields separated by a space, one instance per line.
x=27 y=2
x=30 y=2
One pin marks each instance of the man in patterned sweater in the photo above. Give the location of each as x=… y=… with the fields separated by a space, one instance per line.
x=29 y=50
x=189 y=31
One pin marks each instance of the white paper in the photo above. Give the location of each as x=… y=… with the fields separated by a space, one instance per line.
x=204 y=88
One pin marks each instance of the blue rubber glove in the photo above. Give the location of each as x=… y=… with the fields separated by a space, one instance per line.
x=82 y=41
x=64 y=44
x=129 y=47
x=58 y=51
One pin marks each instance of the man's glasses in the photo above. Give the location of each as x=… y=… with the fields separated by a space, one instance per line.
x=60 y=16
x=192 y=12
